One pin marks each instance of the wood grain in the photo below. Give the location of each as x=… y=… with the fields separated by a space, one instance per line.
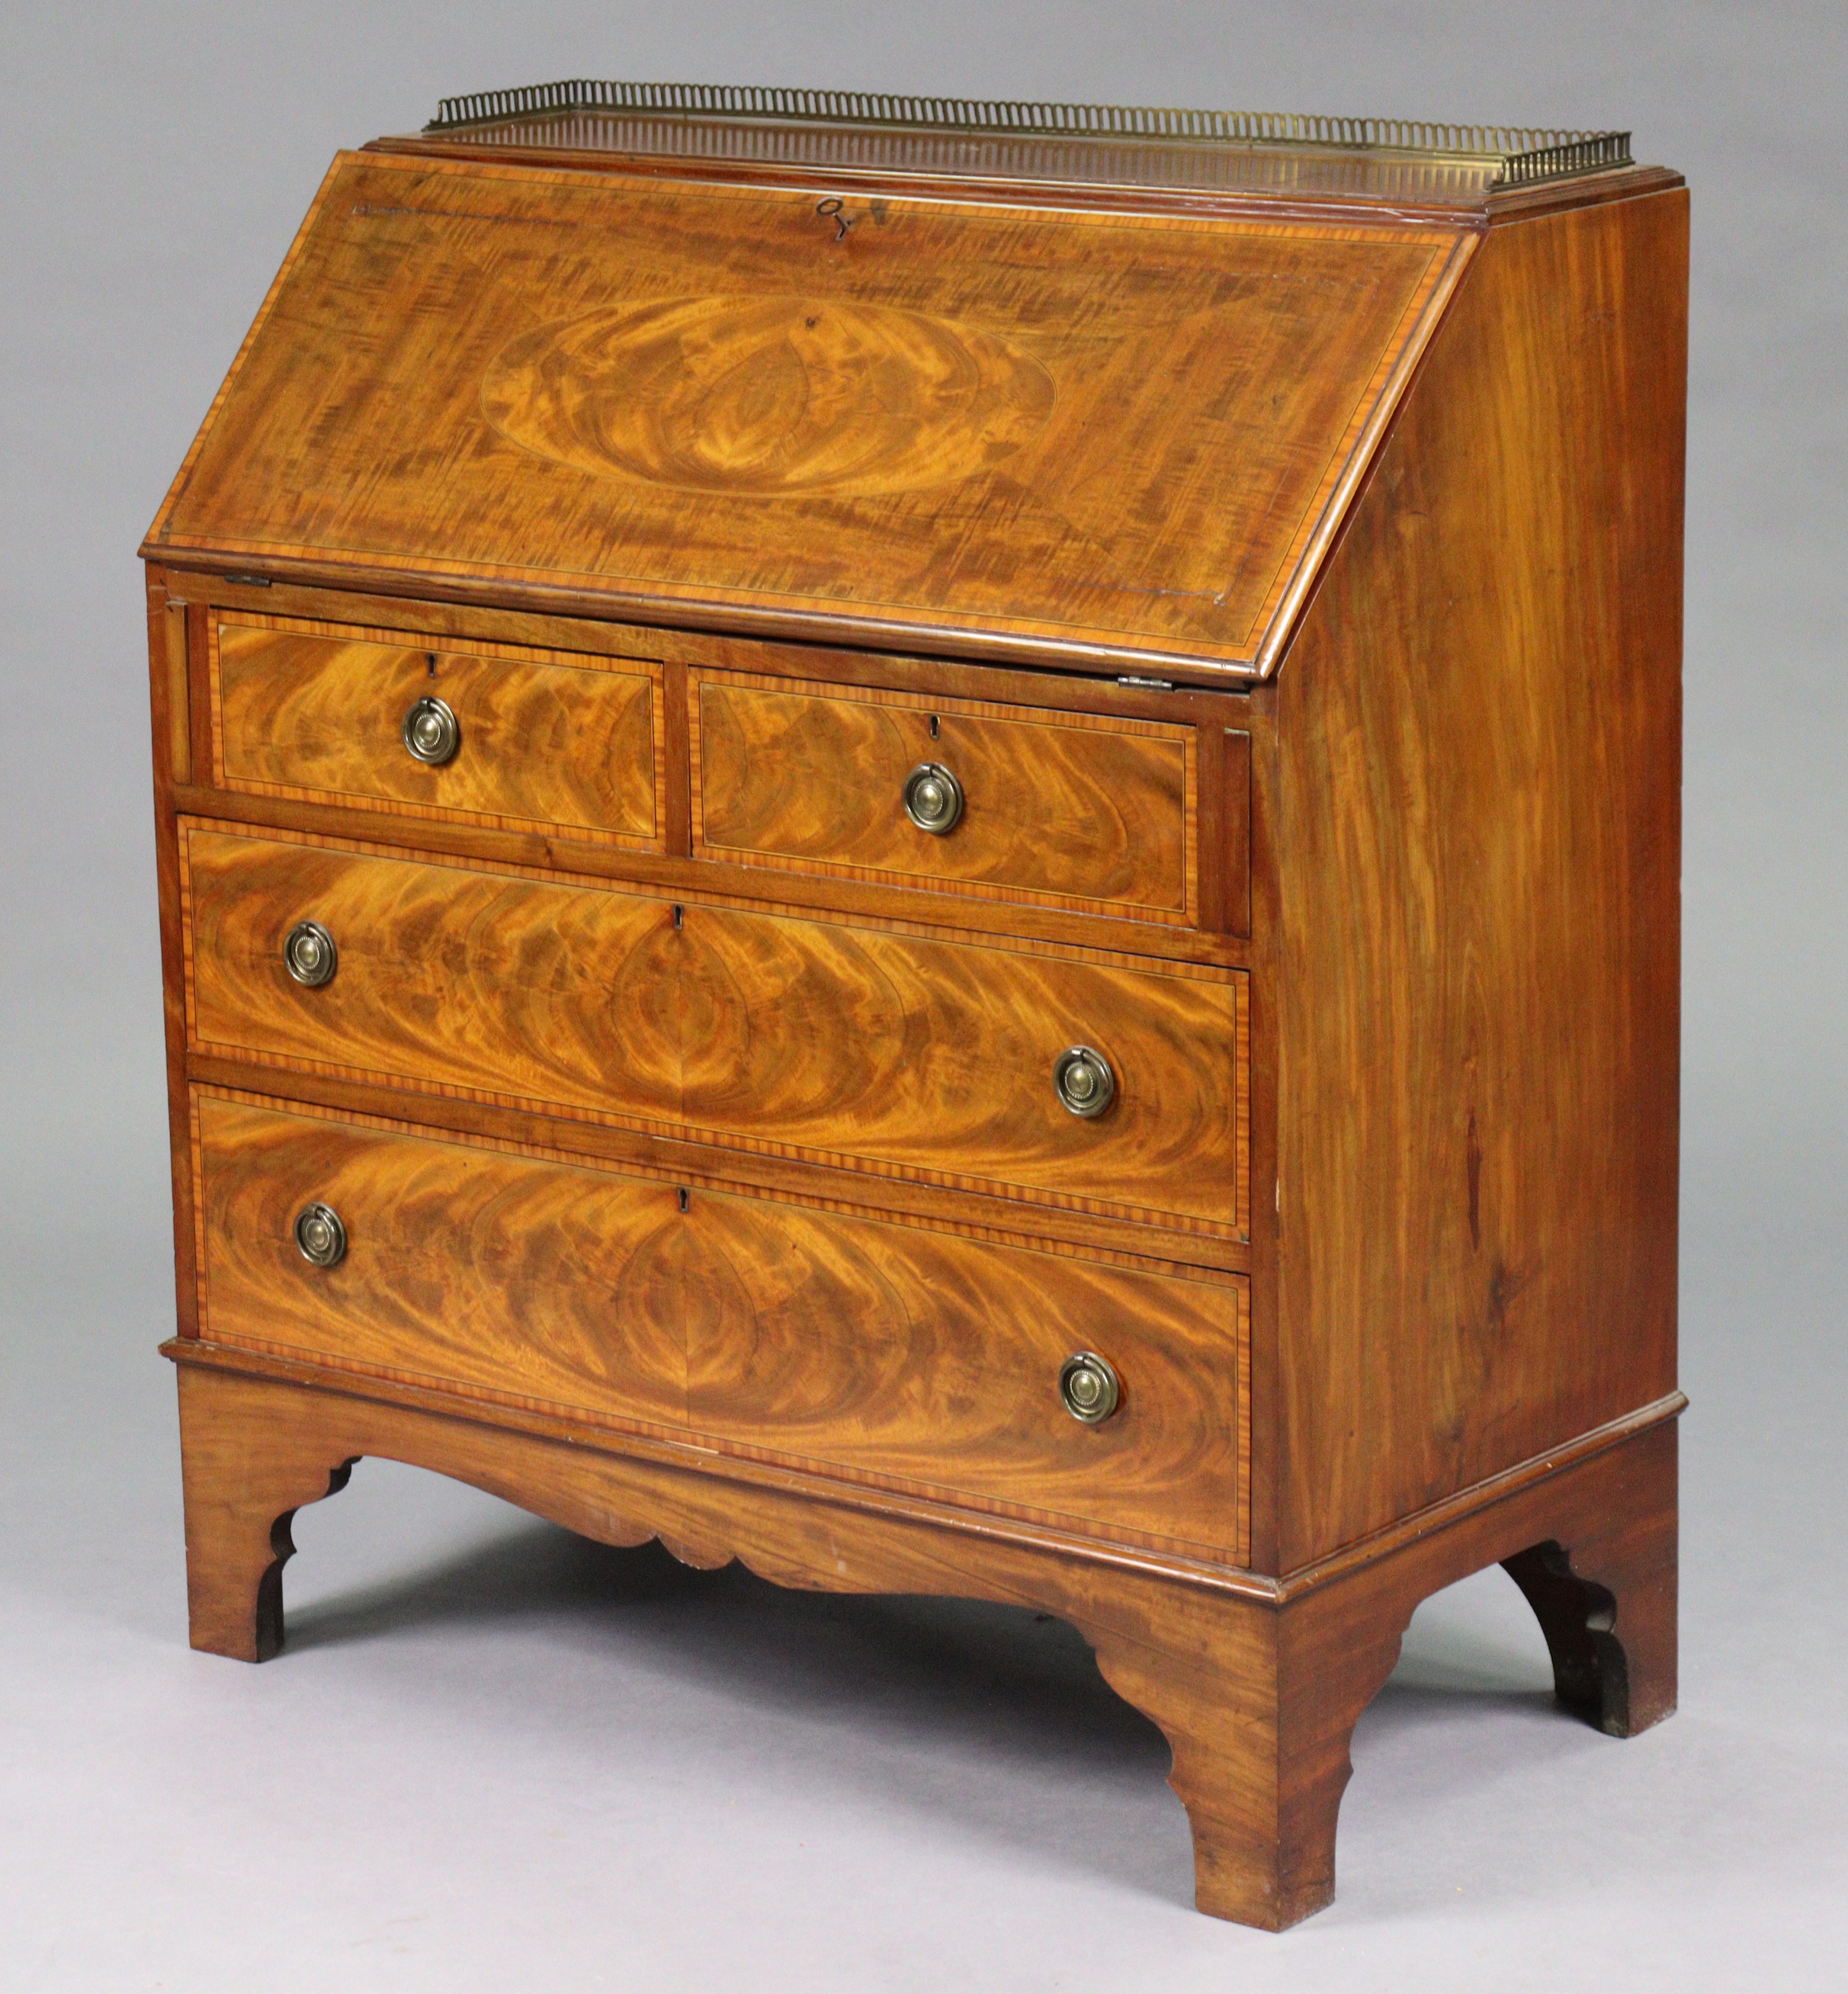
x=882 y=1347
x=558 y=1286
x=1257 y=1697
x=1098 y=812
x=1477 y=962
x=314 y=711
x=1070 y=430
x=974 y=1214
x=843 y=1043
x=773 y=396
x=802 y=1334
x=684 y=879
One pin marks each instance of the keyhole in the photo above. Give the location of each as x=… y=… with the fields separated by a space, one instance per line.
x=431 y=656
x=936 y=727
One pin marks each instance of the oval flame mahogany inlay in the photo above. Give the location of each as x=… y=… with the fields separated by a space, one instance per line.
x=768 y=396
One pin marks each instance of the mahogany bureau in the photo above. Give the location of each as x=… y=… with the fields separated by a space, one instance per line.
x=938 y=844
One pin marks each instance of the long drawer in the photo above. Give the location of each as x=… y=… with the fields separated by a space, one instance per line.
x=848 y=1043
x=904 y=1351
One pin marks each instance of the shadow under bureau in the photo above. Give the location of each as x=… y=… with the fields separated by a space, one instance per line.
x=939 y=846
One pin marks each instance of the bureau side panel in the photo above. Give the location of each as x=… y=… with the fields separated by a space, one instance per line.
x=1479 y=834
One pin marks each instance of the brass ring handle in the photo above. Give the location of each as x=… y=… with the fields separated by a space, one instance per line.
x=933 y=799
x=321 y=1235
x=1083 y=1080
x=431 y=731
x=310 y=955
x=1088 y=1387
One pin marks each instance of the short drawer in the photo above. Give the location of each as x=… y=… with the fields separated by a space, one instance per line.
x=899 y=1351
x=496 y=734
x=1077 y=809
x=842 y=1043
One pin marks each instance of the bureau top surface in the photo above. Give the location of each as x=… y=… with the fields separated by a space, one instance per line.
x=1117 y=435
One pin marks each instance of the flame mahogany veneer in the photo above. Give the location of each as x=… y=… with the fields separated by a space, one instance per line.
x=1286 y=581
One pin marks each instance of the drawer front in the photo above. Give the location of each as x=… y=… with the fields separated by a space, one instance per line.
x=843 y=1043
x=450 y=1250
x=1070 y=809
x=895 y=1350
x=317 y=711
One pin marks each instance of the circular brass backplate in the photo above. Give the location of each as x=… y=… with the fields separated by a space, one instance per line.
x=933 y=799
x=1089 y=1388
x=321 y=1235
x=310 y=955
x=1083 y=1080
x=432 y=732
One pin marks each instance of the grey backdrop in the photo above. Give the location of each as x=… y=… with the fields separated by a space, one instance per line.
x=494 y=1757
